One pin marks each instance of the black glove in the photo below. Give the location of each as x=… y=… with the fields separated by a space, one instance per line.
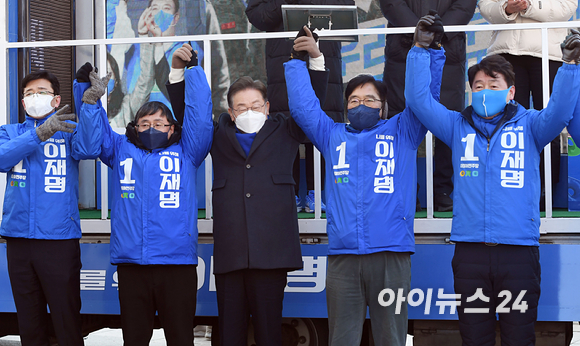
x=56 y=123
x=82 y=75
x=193 y=61
x=571 y=47
x=437 y=28
x=302 y=55
x=423 y=36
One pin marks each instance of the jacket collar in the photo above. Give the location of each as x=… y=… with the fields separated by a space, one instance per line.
x=230 y=127
x=509 y=113
x=269 y=127
x=30 y=121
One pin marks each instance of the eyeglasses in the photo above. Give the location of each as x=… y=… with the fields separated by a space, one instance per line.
x=43 y=92
x=369 y=102
x=156 y=126
x=255 y=108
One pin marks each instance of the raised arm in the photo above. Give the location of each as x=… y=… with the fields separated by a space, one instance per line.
x=87 y=139
x=548 y=123
x=551 y=120
x=416 y=130
x=436 y=117
x=93 y=109
x=305 y=106
x=197 y=133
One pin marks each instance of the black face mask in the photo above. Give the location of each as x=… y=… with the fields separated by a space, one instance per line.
x=363 y=117
x=153 y=139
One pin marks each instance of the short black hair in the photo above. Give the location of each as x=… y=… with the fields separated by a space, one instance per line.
x=492 y=66
x=153 y=107
x=363 y=79
x=244 y=83
x=176 y=2
x=42 y=74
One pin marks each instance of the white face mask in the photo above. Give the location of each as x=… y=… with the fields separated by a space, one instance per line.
x=37 y=106
x=250 y=121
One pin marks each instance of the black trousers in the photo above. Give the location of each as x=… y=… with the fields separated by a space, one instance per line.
x=46 y=272
x=309 y=163
x=169 y=290
x=256 y=292
x=491 y=270
x=528 y=70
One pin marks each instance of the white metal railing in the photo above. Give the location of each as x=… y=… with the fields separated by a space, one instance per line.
x=316 y=225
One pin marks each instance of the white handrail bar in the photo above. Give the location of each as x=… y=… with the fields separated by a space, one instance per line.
x=208 y=38
x=287 y=34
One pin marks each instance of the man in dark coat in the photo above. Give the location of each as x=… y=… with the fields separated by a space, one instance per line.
x=405 y=13
x=255 y=227
x=266 y=15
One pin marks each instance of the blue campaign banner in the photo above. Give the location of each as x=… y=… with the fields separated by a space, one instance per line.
x=432 y=296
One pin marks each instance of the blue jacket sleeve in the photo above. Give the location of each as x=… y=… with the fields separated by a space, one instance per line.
x=436 y=117
x=574 y=125
x=87 y=139
x=197 y=132
x=416 y=130
x=99 y=118
x=304 y=106
x=548 y=123
x=14 y=149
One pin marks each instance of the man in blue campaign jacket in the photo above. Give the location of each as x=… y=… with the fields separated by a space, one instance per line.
x=496 y=147
x=40 y=219
x=370 y=189
x=154 y=209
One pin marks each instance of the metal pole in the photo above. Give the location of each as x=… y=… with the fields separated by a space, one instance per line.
x=208 y=160
x=547 y=148
x=429 y=172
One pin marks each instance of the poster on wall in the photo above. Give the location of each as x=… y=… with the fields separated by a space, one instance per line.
x=140 y=71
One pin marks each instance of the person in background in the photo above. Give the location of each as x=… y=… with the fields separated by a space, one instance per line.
x=402 y=13
x=267 y=16
x=153 y=211
x=523 y=49
x=496 y=146
x=40 y=219
x=371 y=182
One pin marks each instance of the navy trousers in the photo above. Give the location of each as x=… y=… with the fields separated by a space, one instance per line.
x=255 y=292
x=169 y=290
x=492 y=278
